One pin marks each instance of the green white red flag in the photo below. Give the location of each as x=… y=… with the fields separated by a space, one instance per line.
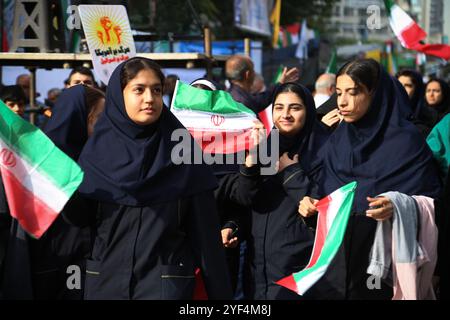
x=334 y=211
x=217 y=122
x=410 y=34
x=38 y=177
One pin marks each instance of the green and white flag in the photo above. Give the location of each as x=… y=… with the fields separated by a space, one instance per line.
x=334 y=211
x=38 y=177
x=217 y=122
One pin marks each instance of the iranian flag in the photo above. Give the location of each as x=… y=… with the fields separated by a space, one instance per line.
x=38 y=177
x=217 y=122
x=289 y=35
x=334 y=211
x=410 y=34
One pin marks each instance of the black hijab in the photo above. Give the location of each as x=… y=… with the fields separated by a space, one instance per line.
x=442 y=108
x=130 y=164
x=418 y=98
x=382 y=151
x=67 y=127
x=422 y=116
x=310 y=139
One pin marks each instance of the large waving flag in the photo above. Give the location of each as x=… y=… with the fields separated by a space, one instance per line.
x=334 y=211
x=38 y=177
x=410 y=34
x=216 y=121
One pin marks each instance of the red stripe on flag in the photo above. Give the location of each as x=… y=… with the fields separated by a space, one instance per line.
x=33 y=214
x=413 y=35
x=266 y=118
x=288 y=282
x=4 y=44
x=222 y=142
x=321 y=230
x=437 y=50
x=293 y=28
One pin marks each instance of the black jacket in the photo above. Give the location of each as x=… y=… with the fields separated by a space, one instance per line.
x=281 y=241
x=152 y=252
x=38 y=269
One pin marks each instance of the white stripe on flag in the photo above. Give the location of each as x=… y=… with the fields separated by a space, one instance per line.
x=36 y=183
x=337 y=199
x=308 y=281
x=214 y=122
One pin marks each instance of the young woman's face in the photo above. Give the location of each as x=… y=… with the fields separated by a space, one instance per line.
x=433 y=93
x=353 y=100
x=18 y=107
x=289 y=113
x=143 y=97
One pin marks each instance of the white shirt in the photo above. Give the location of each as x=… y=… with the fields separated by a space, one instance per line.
x=320 y=98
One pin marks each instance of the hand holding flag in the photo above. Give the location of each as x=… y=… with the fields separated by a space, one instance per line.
x=334 y=211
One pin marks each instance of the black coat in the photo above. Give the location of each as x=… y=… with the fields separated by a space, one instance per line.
x=281 y=241
x=442 y=212
x=38 y=269
x=235 y=216
x=152 y=252
x=44 y=263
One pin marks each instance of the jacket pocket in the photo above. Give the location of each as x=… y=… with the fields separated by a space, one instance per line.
x=92 y=279
x=177 y=282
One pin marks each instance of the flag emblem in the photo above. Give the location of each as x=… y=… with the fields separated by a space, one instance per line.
x=217 y=120
x=7 y=158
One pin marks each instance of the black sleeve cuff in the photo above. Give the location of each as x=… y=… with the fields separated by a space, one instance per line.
x=230 y=224
x=252 y=171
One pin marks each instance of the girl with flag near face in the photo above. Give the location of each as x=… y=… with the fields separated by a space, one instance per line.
x=155 y=221
x=378 y=147
x=280 y=242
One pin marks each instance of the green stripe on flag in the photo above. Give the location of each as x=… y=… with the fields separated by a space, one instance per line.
x=389 y=4
x=335 y=234
x=332 y=64
x=278 y=75
x=39 y=151
x=187 y=97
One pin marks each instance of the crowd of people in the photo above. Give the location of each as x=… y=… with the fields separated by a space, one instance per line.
x=141 y=227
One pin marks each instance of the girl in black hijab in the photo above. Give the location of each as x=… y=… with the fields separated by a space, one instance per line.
x=378 y=147
x=155 y=221
x=38 y=269
x=437 y=98
x=280 y=241
x=421 y=115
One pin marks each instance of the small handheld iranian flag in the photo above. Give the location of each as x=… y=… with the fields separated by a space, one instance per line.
x=217 y=122
x=334 y=211
x=38 y=177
